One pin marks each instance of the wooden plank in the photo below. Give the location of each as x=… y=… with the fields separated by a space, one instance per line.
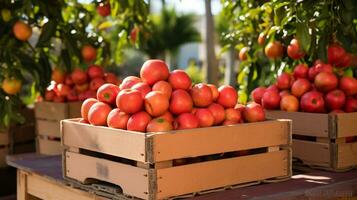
x=310 y=124
x=133 y=180
x=219 y=173
x=346 y=124
x=49 y=147
x=48 y=128
x=22 y=186
x=4 y=138
x=43 y=188
x=183 y=144
x=312 y=152
x=74 y=109
x=346 y=155
x=3 y=153
x=51 y=110
x=22 y=133
x=106 y=140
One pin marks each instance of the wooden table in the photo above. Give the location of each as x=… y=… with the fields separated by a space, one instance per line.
x=40 y=177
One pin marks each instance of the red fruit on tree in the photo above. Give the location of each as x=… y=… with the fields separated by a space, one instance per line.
x=129 y=82
x=325 y=81
x=96 y=83
x=253 y=112
x=79 y=76
x=201 y=95
x=274 y=50
x=163 y=87
x=129 y=101
x=181 y=102
x=186 y=121
x=335 y=99
x=180 y=80
x=58 y=75
x=301 y=71
x=95 y=71
x=335 y=53
x=284 y=81
x=300 y=87
x=243 y=53
x=205 y=117
x=159 y=125
x=143 y=88
x=138 y=121
x=117 y=119
x=228 y=96
x=294 y=50
x=153 y=71
x=348 y=85
x=107 y=93
x=289 y=103
x=345 y=61
x=89 y=53
x=103 y=9
x=271 y=100
x=312 y=101
x=257 y=94
x=218 y=113
x=98 y=113
x=156 y=103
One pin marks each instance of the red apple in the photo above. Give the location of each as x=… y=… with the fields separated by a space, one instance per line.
x=98 y=113
x=159 y=125
x=95 y=83
x=273 y=88
x=214 y=91
x=156 y=103
x=351 y=105
x=289 y=103
x=348 y=85
x=186 y=121
x=300 y=87
x=86 y=105
x=72 y=96
x=111 y=78
x=201 y=95
x=284 y=93
x=257 y=94
x=153 y=71
x=312 y=101
x=107 y=93
x=138 y=121
x=129 y=101
x=271 y=100
x=49 y=95
x=326 y=81
x=81 y=88
x=228 y=96
x=167 y=116
x=335 y=53
x=180 y=80
x=205 y=117
x=62 y=90
x=284 y=81
x=218 y=113
x=117 y=119
x=79 y=76
x=95 y=71
x=335 y=99
x=163 y=87
x=301 y=71
x=68 y=81
x=103 y=9
x=129 y=82
x=89 y=53
x=181 y=102
x=143 y=88
x=233 y=115
x=294 y=50
x=253 y=112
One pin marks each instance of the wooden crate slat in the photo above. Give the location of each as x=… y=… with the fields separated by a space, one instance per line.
x=206 y=141
x=133 y=180
x=4 y=138
x=106 y=140
x=51 y=110
x=346 y=155
x=23 y=133
x=312 y=152
x=310 y=124
x=49 y=147
x=48 y=128
x=346 y=124
x=208 y=175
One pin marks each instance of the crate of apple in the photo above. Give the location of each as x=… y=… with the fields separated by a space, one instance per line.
x=317 y=89
x=162 y=101
x=78 y=85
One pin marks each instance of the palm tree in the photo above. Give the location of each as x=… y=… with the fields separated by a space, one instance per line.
x=168 y=32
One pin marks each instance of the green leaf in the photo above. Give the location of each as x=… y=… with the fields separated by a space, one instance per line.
x=303 y=35
x=48 y=31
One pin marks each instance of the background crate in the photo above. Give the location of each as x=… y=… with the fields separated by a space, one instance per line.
x=48 y=117
x=143 y=165
x=327 y=141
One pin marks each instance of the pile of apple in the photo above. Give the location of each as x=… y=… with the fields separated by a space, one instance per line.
x=78 y=85
x=318 y=89
x=162 y=101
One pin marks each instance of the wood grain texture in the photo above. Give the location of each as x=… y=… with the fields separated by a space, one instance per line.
x=48 y=128
x=346 y=155
x=49 y=147
x=312 y=152
x=346 y=124
x=57 y=111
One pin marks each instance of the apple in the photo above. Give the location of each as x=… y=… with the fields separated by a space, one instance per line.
x=271 y=100
x=72 y=96
x=103 y=9
x=233 y=115
x=129 y=101
x=129 y=82
x=348 y=85
x=201 y=95
x=163 y=87
x=284 y=81
x=98 y=113
x=159 y=125
x=156 y=103
x=205 y=117
x=142 y=87
x=228 y=96
x=95 y=83
x=300 y=87
x=89 y=53
x=117 y=119
x=95 y=71
x=179 y=80
x=301 y=71
x=80 y=88
x=111 y=78
x=294 y=50
x=186 y=121
x=153 y=71
x=273 y=88
x=257 y=94
x=167 y=116
x=79 y=76
x=49 y=95
x=253 y=112
x=138 y=121
x=214 y=91
x=68 y=81
x=351 y=105
x=335 y=99
x=284 y=93
x=62 y=90
x=325 y=81
x=58 y=75
x=107 y=93
x=181 y=102
x=218 y=113
x=289 y=103
x=312 y=101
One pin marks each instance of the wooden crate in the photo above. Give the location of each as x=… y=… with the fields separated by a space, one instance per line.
x=327 y=141
x=4 y=148
x=146 y=165
x=48 y=117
